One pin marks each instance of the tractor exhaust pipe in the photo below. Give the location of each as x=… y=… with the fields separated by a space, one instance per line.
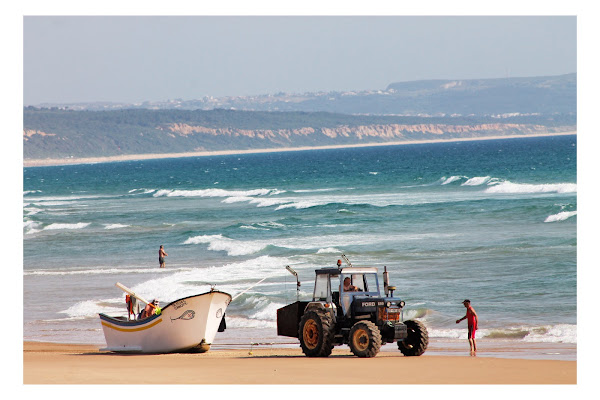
x=291 y=271
x=386 y=281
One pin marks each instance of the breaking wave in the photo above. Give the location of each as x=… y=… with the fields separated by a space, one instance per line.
x=560 y=333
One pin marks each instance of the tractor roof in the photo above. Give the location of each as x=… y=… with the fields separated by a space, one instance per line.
x=347 y=270
x=327 y=271
x=359 y=270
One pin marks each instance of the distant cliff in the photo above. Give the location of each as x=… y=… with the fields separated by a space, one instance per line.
x=55 y=133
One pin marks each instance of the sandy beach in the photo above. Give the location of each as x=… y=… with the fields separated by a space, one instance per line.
x=50 y=363
x=137 y=157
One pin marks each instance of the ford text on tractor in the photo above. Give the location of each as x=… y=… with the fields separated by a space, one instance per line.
x=361 y=316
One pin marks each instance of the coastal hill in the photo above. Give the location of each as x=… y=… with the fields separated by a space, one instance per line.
x=408 y=111
x=549 y=94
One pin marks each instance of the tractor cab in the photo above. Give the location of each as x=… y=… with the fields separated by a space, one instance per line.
x=363 y=283
x=330 y=287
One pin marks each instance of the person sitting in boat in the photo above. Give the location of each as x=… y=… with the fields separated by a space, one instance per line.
x=150 y=309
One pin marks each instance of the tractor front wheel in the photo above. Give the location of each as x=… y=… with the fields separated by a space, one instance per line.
x=316 y=333
x=365 y=339
x=417 y=340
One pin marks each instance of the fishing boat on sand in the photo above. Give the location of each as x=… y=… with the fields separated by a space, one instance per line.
x=187 y=324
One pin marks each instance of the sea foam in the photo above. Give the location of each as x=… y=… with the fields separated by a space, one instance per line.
x=103 y=271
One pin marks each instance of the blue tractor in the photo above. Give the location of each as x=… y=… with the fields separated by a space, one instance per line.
x=348 y=308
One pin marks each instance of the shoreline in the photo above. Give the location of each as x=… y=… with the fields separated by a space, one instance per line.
x=52 y=363
x=139 y=157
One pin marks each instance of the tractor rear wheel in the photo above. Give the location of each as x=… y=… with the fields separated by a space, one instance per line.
x=316 y=333
x=417 y=340
x=365 y=339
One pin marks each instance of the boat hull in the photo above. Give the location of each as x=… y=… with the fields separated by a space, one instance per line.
x=187 y=324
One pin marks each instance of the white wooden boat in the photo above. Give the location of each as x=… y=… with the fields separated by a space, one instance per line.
x=187 y=324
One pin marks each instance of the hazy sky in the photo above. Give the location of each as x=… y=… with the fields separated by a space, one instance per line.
x=132 y=59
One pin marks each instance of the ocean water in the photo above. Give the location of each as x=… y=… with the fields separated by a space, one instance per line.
x=493 y=221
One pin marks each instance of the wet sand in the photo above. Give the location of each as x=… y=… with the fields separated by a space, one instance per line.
x=51 y=363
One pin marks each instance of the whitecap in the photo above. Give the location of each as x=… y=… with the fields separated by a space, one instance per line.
x=561 y=216
x=271 y=224
x=509 y=187
x=57 y=226
x=31 y=210
x=253 y=228
x=477 y=181
x=452 y=179
x=259 y=201
x=30 y=224
x=301 y=205
x=314 y=190
x=236 y=199
x=31 y=227
x=213 y=193
x=329 y=250
x=142 y=190
x=222 y=243
x=264 y=226
x=115 y=226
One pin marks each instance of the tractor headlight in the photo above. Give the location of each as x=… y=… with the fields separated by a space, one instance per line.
x=388 y=304
x=401 y=304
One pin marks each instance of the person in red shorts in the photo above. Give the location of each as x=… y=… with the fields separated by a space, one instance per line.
x=472 y=320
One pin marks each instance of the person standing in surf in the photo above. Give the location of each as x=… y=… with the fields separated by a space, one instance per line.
x=161 y=256
x=472 y=321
